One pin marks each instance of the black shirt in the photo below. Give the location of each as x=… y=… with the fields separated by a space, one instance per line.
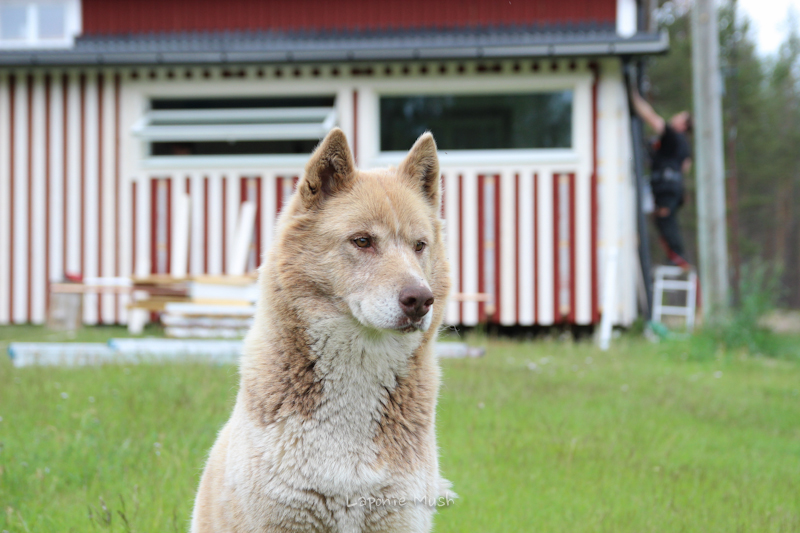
x=670 y=151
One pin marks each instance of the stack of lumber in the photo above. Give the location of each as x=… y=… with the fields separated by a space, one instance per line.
x=199 y=306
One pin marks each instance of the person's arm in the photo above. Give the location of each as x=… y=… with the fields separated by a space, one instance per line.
x=646 y=112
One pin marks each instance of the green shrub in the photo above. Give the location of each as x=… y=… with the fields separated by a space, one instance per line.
x=741 y=329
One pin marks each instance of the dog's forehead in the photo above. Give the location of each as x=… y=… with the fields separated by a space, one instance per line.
x=383 y=199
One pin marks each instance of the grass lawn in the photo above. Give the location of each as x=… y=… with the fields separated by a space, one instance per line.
x=536 y=436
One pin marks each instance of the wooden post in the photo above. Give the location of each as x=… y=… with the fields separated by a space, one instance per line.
x=711 y=227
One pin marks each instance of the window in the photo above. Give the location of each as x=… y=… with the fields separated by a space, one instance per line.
x=39 y=24
x=52 y=21
x=478 y=122
x=240 y=126
x=14 y=23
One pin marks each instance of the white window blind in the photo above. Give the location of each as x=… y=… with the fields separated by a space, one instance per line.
x=232 y=125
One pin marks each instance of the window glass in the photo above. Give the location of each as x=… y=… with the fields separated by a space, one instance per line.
x=13 y=22
x=52 y=21
x=232 y=147
x=237 y=126
x=478 y=122
x=241 y=103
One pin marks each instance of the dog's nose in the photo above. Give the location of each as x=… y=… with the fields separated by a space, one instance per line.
x=416 y=301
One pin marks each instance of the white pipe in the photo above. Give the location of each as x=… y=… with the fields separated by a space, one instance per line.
x=609 y=298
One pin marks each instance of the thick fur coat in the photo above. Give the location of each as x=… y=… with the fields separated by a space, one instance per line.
x=333 y=427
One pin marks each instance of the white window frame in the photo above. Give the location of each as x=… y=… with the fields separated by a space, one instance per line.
x=138 y=95
x=72 y=25
x=579 y=83
x=264 y=124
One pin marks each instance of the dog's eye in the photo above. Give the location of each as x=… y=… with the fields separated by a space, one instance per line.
x=363 y=242
x=419 y=246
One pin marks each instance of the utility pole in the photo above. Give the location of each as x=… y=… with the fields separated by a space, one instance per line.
x=707 y=92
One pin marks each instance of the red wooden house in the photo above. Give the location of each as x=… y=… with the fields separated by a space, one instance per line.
x=111 y=111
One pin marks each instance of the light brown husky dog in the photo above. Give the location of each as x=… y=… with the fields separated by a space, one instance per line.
x=333 y=428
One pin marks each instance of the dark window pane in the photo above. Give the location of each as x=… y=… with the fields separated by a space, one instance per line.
x=241 y=103
x=233 y=148
x=485 y=122
x=52 y=19
x=13 y=22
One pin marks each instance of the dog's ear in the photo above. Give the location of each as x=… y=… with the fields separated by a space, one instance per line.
x=421 y=167
x=330 y=170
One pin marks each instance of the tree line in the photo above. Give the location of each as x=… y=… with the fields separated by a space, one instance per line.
x=761 y=115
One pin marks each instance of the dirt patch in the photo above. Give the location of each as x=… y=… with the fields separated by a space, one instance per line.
x=782 y=321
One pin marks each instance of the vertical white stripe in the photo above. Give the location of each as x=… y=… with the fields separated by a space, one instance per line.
x=124 y=192
x=251 y=194
x=108 y=176
x=20 y=177
x=367 y=126
x=91 y=201
x=508 y=252
x=451 y=210
x=233 y=200
x=287 y=184
x=181 y=227
x=616 y=194
x=57 y=230
x=488 y=248
x=583 y=249
x=581 y=217
x=161 y=221
x=5 y=200
x=344 y=111
x=38 y=191
x=178 y=185
x=544 y=226
x=197 y=213
x=268 y=213
x=627 y=238
x=125 y=185
x=526 y=289
x=143 y=264
x=471 y=245
x=565 y=244
x=73 y=174
x=214 y=215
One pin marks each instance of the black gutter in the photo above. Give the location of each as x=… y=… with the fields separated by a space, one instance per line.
x=333 y=51
x=637 y=136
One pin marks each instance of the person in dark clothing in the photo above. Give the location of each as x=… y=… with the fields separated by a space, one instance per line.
x=671 y=160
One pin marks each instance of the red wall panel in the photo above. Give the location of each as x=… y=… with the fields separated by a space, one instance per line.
x=145 y=16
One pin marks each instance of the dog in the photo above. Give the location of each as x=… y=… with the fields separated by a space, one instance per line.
x=334 y=424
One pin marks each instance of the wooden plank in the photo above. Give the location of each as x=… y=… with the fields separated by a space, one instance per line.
x=80 y=288
x=471 y=297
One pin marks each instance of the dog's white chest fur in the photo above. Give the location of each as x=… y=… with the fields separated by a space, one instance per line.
x=359 y=370
x=329 y=462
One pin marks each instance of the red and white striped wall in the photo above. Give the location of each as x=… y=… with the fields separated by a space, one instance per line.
x=77 y=195
x=62 y=198
x=523 y=237
x=215 y=203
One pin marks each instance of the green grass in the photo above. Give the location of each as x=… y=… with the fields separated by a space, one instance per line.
x=642 y=438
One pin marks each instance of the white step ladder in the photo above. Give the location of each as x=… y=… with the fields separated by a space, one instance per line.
x=672 y=278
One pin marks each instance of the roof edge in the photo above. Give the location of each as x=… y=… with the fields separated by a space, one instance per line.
x=587 y=45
